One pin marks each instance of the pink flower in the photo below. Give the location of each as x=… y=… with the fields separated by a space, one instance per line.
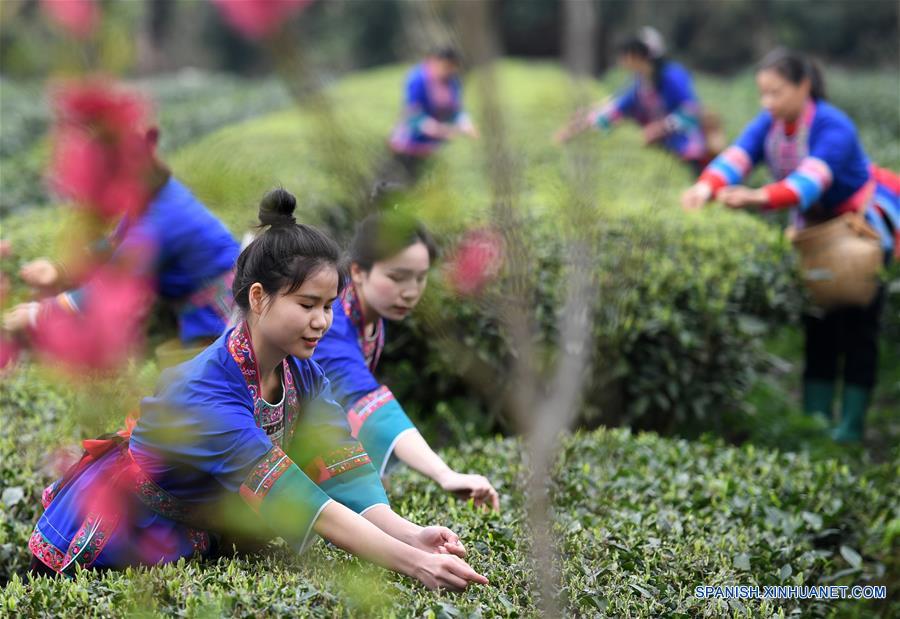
x=257 y=19
x=475 y=262
x=107 y=330
x=101 y=159
x=9 y=352
x=5 y=252
x=78 y=17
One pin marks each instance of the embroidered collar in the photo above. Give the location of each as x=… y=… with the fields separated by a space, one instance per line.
x=241 y=348
x=799 y=125
x=441 y=94
x=785 y=148
x=651 y=105
x=371 y=347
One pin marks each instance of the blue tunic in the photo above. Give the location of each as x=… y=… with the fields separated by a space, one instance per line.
x=821 y=163
x=187 y=250
x=349 y=359
x=425 y=97
x=207 y=445
x=671 y=99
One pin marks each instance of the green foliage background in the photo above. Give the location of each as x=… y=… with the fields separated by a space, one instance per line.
x=685 y=304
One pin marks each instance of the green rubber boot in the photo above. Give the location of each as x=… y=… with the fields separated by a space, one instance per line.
x=817 y=397
x=853 y=414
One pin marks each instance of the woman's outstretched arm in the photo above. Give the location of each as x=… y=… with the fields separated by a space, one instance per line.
x=353 y=533
x=414 y=451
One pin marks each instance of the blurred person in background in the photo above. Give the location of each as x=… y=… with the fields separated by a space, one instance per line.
x=821 y=171
x=660 y=99
x=243 y=442
x=390 y=258
x=432 y=114
x=185 y=251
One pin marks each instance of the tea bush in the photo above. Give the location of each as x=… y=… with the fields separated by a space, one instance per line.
x=643 y=520
x=682 y=301
x=681 y=298
x=189 y=104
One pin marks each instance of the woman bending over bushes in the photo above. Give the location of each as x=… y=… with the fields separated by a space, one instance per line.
x=390 y=257
x=243 y=442
x=821 y=172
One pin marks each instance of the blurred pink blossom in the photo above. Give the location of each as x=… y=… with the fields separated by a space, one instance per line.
x=475 y=261
x=78 y=17
x=102 y=159
x=105 y=332
x=9 y=352
x=257 y=19
x=5 y=252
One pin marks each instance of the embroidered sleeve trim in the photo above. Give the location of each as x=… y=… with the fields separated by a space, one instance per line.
x=46 y=552
x=338 y=461
x=49 y=494
x=88 y=543
x=263 y=476
x=366 y=406
x=155 y=497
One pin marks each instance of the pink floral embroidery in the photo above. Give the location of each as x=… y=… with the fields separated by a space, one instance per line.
x=338 y=461
x=263 y=476
x=371 y=349
x=88 y=543
x=366 y=406
x=48 y=554
x=277 y=421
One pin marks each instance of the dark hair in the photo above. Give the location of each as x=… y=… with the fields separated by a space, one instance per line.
x=285 y=254
x=634 y=46
x=450 y=54
x=795 y=68
x=382 y=235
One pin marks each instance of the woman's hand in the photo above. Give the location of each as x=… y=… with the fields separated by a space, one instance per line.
x=468 y=128
x=437 y=130
x=581 y=121
x=39 y=274
x=438 y=571
x=355 y=534
x=20 y=317
x=738 y=196
x=655 y=131
x=696 y=196
x=439 y=540
x=476 y=487
x=564 y=134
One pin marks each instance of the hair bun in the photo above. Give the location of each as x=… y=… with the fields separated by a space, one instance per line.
x=277 y=208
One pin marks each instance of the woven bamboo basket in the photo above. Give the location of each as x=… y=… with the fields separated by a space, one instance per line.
x=840 y=261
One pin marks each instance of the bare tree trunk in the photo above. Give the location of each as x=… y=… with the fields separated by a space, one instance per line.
x=580 y=36
x=542 y=409
x=158 y=16
x=764 y=37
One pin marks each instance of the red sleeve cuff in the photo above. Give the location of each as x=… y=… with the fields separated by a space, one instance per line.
x=713 y=179
x=779 y=195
